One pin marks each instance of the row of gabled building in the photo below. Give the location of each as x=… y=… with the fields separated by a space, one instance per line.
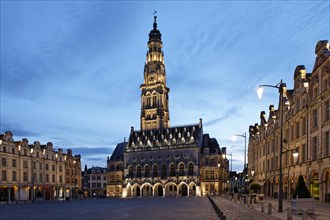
x=303 y=118
x=37 y=171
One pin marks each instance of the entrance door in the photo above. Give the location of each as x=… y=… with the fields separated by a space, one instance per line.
x=160 y=190
x=184 y=190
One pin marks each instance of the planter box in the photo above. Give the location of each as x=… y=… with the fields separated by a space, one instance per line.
x=298 y=205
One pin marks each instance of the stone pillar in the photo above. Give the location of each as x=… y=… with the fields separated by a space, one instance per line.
x=269 y=208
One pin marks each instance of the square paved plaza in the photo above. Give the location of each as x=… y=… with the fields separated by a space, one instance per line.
x=137 y=208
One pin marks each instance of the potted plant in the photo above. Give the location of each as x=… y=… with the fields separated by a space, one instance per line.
x=302 y=197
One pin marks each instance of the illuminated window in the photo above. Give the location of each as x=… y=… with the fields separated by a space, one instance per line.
x=212 y=174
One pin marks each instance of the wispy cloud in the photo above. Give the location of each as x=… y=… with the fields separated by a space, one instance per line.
x=70 y=73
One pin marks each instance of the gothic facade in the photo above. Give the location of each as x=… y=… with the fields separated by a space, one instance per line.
x=159 y=160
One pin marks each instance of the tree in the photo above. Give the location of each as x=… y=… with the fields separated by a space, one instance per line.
x=254 y=187
x=301 y=190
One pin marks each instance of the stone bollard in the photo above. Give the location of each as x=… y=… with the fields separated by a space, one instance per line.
x=289 y=213
x=269 y=208
x=262 y=207
x=304 y=215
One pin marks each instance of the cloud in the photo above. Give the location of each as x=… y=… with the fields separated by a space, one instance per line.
x=18 y=130
x=93 y=151
x=226 y=115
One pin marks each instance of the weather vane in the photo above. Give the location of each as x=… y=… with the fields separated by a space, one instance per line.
x=155 y=12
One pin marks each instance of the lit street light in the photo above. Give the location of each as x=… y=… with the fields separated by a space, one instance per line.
x=234 y=139
x=283 y=101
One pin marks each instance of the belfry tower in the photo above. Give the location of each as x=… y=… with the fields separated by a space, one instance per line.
x=154 y=93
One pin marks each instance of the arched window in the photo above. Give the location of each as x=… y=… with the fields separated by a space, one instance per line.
x=191 y=169
x=181 y=169
x=164 y=172
x=155 y=171
x=172 y=170
x=146 y=171
x=138 y=171
x=130 y=172
x=154 y=100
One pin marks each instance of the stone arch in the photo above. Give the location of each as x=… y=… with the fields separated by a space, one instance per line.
x=192 y=189
x=314 y=184
x=129 y=190
x=136 y=190
x=325 y=186
x=158 y=190
x=183 y=189
x=171 y=189
x=146 y=190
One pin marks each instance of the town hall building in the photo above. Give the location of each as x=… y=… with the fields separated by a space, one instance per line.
x=160 y=160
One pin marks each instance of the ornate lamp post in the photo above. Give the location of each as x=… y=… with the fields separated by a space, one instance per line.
x=283 y=101
x=44 y=179
x=19 y=170
x=74 y=162
x=56 y=155
x=244 y=165
x=32 y=175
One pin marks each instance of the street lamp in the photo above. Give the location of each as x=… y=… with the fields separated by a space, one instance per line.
x=44 y=179
x=283 y=101
x=252 y=174
x=19 y=170
x=56 y=193
x=32 y=175
x=234 y=139
x=231 y=167
x=74 y=162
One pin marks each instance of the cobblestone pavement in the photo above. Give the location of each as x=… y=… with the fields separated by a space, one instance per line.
x=136 y=208
x=233 y=210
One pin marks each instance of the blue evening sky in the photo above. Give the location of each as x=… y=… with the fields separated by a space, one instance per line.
x=71 y=70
